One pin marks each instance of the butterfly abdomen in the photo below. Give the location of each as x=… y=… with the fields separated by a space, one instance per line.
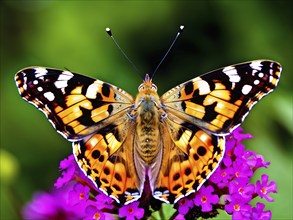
x=147 y=131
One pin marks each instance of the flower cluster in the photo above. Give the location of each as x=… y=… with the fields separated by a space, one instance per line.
x=229 y=189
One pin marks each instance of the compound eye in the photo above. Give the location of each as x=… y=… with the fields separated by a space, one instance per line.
x=154 y=87
x=141 y=87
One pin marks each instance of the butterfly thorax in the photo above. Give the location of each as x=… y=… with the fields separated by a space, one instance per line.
x=148 y=121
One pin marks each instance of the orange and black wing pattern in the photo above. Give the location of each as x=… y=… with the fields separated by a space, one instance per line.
x=220 y=100
x=93 y=115
x=76 y=105
x=199 y=113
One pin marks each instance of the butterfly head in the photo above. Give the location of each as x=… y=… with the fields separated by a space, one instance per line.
x=147 y=85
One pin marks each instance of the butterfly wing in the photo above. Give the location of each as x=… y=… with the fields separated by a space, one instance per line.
x=199 y=113
x=75 y=105
x=107 y=159
x=220 y=100
x=190 y=156
x=93 y=115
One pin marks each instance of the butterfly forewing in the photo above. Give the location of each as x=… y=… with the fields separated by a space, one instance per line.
x=220 y=100
x=76 y=105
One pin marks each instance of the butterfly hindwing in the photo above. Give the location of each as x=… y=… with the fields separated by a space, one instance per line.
x=76 y=105
x=220 y=100
x=190 y=156
x=107 y=159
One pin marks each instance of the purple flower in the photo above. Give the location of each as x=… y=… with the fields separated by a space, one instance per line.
x=103 y=201
x=264 y=188
x=242 y=188
x=205 y=198
x=50 y=206
x=249 y=158
x=131 y=211
x=179 y=217
x=68 y=166
x=222 y=176
x=92 y=213
x=241 y=169
x=239 y=151
x=238 y=207
x=259 y=214
x=184 y=205
x=239 y=135
x=229 y=152
x=79 y=194
x=70 y=172
x=260 y=162
x=67 y=162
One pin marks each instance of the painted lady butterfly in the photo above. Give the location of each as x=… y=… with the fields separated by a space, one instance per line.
x=177 y=140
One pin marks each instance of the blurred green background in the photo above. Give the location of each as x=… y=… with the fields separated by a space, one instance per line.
x=71 y=34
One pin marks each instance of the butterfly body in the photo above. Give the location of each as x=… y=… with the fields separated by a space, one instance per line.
x=177 y=140
x=148 y=113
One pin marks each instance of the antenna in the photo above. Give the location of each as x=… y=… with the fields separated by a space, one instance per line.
x=168 y=51
x=108 y=30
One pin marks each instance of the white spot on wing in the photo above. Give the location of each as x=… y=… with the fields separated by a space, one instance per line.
x=62 y=81
x=260 y=75
x=60 y=84
x=246 y=89
x=232 y=73
x=204 y=87
x=40 y=89
x=256 y=65
x=35 y=82
x=49 y=95
x=91 y=91
x=40 y=71
x=66 y=75
x=254 y=72
x=256 y=82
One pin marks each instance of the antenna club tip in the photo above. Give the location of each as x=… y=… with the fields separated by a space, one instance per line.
x=181 y=29
x=108 y=30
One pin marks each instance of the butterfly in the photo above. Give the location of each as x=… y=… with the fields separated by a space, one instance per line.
x=176 y=140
